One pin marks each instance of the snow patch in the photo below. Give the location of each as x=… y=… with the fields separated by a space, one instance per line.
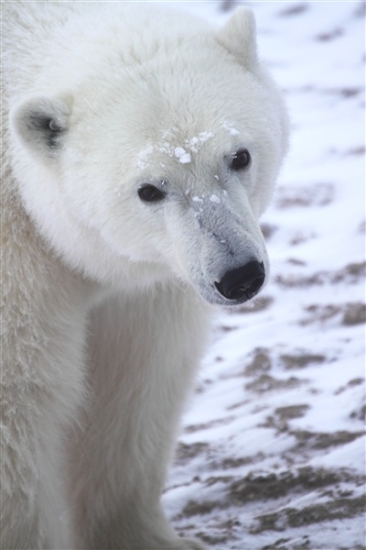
x=228 y=127
x=195 y=143
x=215 y=198
x=167 y=149
x=142 y=157
x=182 y=155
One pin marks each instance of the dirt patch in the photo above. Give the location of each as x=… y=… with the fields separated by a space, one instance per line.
x=319 y=194
x=213 y=424
x=281 y=544
x=211 y=539
x=360 y=11
x=299 y=361
x=264 y=486
x=323 y=440
x=212 y=480
x=260 y=364
x=292 y=411
x=229 y=463
x=295 y=261
x=359 y=414
x=265 y=383
x=194 y=508
x=297 y=281
x=360 y=150
x=272 y=486
x=351 y=274
x=282 y=416
x=350 y=92
x=292 y=517
x=301 y=237
x=184 y=453
x=295 y=9
x=320 y=314
x=354 y=314
x=351 y=384
x=331 y=35
x=226 y=328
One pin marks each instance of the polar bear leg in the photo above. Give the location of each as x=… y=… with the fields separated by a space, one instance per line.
x=42 y=385
x=34 y=515
x=143 y=353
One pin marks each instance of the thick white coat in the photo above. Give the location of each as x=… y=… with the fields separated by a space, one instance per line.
x=106 y=299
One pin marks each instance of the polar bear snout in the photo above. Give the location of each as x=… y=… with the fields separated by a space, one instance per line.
x=243 y=283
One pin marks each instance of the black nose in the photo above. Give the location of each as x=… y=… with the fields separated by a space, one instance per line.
x=242 y=283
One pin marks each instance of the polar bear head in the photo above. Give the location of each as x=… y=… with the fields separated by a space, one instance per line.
x=157 y=159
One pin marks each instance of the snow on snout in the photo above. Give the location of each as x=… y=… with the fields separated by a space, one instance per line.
x=228 y=127
x=182 y=155
x=202 y=198
x=143 y=156
x=195 y=143
x=215 y=198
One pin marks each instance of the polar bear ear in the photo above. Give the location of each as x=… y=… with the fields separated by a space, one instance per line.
x=238 y=36
x=41 y=124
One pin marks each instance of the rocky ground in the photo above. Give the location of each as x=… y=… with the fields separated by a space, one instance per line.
x=272 y=451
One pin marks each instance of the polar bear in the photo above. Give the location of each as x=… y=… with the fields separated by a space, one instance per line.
x=140 y=148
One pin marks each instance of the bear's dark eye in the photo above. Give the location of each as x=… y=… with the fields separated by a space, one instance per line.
x=150 y=193
x=240 y=160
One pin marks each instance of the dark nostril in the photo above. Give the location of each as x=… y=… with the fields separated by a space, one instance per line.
x=242 y=283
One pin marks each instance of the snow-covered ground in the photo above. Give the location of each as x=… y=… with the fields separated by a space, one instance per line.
x=272 y=452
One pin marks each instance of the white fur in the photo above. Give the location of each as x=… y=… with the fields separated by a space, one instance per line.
x=105 y=298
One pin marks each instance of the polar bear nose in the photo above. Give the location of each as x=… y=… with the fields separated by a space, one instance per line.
x=242 y=283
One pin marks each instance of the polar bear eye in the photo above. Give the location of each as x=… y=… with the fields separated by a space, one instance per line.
x=240 y=160
x=150 y=193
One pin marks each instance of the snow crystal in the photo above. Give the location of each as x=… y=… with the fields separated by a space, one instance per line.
x=167 y=149
x=196 y=143
x=214 y=198
x=205 y=136
x=185 y=159
x=182 y=155
x=230 y=129
x=179 y=152
x=142 y=157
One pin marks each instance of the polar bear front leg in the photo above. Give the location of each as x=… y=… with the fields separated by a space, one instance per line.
x=143 y=354
x=34 y=513
x=41 y=388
